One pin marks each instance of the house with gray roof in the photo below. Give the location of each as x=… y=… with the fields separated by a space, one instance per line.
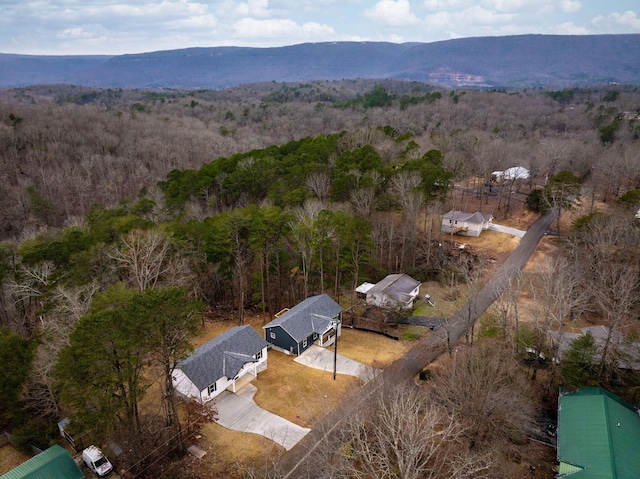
x=394 y=291
x=228 y=361
x=624 y=352
x=466 y=224
x=317 y=319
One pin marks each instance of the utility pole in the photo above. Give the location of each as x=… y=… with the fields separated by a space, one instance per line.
x=335 y=351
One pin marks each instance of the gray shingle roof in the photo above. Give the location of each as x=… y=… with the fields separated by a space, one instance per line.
x=396 y=286
x=312 y=315
x=222 y=356
x=475 y=218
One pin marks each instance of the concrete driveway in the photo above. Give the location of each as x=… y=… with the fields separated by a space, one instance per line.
x=239 y=412
x=508 y=230
x=320 y=358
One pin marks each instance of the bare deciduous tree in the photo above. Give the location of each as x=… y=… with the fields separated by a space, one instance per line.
x=400 y=434
x=320 y=184
x=143 y=255
x=560 y=294
x=487 y=392
x=362 y=201
x=616 y=292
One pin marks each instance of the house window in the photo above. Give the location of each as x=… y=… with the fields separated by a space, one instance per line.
x=272 y=335
x=259 y=354
x=211 y=389
x=304 y=343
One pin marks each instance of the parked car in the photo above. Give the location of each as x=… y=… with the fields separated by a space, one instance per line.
x=96 y=461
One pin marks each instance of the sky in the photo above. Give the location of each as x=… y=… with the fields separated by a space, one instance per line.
x=113 y=27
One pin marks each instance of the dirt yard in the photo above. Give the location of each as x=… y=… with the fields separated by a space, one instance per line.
x=11 y=457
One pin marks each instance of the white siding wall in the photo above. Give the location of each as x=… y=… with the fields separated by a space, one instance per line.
x=221 y=384
x=472 y=230
x=184 y=385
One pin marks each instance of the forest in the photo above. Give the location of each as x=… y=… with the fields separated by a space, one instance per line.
x=131 y=217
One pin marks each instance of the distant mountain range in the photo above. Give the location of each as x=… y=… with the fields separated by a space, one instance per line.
x=551 y=61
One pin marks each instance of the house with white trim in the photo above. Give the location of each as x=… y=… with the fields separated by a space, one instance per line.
x=227 y=362
x=317 y=319
x=394 y=291
x=466 y=224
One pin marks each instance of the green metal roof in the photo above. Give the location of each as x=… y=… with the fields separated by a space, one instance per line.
x=53 y=463
x=598 y=436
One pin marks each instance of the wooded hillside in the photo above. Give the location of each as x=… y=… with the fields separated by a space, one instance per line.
x=550 y=61
x=117 y=205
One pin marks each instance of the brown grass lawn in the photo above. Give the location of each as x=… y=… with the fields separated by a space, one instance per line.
x=11 y=457
x=229 y=452
x=293 y=391
x=299 y=393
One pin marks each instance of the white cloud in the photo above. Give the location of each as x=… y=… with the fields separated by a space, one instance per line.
x=628 y=21
x=393 y=13
x=253 y=8
x=445 y=4
x=440 y=20
x=198 y=23
x=570 y=28
x=524 y=7
x=479 y=15
x=249 y=28
x=570 y=6
x=76 y=33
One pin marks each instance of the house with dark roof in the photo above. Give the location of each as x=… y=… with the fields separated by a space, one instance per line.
x=627 y=352
x=227 y=362
x=394 y=291
x=466 y=224
x=598 y=436
x=315 y=320
x=52 y=463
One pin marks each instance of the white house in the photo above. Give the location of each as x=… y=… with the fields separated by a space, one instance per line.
x=467 y=224
x=394 y=291
x=511 y=174
x=226 y=362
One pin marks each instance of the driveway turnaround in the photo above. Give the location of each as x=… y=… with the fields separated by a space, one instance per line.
x=321 y=358
x=240 y=412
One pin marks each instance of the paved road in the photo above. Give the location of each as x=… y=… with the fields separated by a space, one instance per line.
x=295 y=463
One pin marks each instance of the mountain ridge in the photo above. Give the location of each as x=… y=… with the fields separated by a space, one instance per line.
x=484 y=62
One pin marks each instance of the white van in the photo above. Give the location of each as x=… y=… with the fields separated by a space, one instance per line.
x=96 y=461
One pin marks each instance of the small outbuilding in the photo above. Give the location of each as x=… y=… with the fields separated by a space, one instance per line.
x=317 y=319
x=397 y=291
x=52 y=463
x=467 y=224
x=226 y=362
